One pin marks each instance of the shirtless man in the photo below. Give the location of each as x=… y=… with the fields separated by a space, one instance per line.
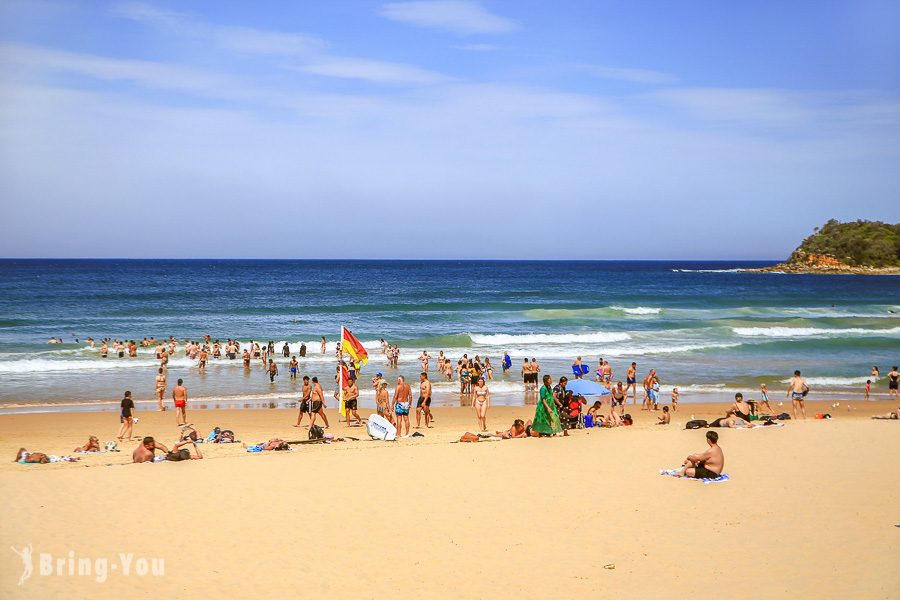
x=631 y=382
x=272 y=370
x=400 y=404
x=246 y=358
x=145 y=452
x=351 y=401
x=617 y=398
x=706 y=465
x=179 y=397
x=204 y=356
x=535 y=374
x=160 y=387
x=797 y=390
x=305 y=401
x=424 y=403
x=294 y=366
x=318 y=403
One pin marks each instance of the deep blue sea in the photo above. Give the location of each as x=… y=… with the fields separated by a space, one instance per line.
x=707 y=327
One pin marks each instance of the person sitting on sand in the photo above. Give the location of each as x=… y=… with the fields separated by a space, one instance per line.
x=146 y=451
x=706 y=465
x=666 y=418
x=92 y=445
x=740 y=408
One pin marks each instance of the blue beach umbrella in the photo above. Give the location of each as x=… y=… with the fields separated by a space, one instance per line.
x=585 y=387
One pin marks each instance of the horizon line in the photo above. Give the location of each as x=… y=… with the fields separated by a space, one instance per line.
x=370 y=259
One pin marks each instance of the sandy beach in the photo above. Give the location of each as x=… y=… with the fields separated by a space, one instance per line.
x=810 y=510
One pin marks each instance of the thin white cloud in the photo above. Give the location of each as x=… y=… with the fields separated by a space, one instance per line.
x=457 y=16
x=375 y=71
x=307 y=53
x=243 y=40
x=477 y=47
x=782 y=108
x=643 y=76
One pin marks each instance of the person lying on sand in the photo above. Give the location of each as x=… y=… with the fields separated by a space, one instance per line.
x=706 y=465
x=273 y=444
x=24 y=456
x=519 y=429
x=179 y=452
x=147 y=449
x=92 y=445
x=895 y=414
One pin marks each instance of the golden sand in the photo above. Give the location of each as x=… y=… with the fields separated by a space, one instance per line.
x=810 y=511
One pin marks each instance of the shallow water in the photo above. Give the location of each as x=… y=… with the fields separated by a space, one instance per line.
x=706 y=327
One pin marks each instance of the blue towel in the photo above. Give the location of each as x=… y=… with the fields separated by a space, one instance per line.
x=672 y=473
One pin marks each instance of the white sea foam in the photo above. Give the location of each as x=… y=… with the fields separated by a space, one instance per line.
x=638 y=310
x=791 y=332
x=835 y=381
x=501 y=339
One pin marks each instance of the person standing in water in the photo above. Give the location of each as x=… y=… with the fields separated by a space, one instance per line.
x=893 y=383
x=323 y=344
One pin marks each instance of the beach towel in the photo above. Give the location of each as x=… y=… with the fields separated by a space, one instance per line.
x=672 y=473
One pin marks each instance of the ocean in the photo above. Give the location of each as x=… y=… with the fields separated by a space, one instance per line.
x=706 y=327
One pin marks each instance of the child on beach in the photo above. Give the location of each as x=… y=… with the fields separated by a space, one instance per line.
x=666 y=418
x=765 y=398
x=675 y=397
x=868 y=386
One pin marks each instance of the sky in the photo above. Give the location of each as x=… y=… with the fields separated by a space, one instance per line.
x=449 y=129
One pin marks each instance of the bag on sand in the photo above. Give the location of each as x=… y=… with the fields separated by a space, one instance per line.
x=380 y=428
x=316 y=433
x=783 y=417
x=696 y=424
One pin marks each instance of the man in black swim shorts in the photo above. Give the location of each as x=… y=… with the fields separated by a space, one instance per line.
x=423 y=406
x=706 y=465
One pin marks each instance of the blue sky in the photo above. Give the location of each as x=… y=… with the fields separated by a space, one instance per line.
x=443 y=129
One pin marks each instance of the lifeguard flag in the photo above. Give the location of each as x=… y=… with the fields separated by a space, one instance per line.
x=344 y=383
x=352 y=346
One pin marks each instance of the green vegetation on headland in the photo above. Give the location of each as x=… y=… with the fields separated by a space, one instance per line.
x=857 y=247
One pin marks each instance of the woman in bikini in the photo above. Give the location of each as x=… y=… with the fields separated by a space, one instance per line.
x=481 y=400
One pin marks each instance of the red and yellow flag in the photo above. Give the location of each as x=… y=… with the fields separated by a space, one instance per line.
x=353 y=347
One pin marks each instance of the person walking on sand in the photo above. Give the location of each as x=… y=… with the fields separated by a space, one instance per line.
x=764 y=398
x=797 y=391
x=305 y=401
x=160 y=387
x=423 y=406
x=706 y=465
x=481 y=400
x=318 y=404
x=179 y=397
x=351 y=401
x=127 y=417
x=546 y=416
x=401 y=402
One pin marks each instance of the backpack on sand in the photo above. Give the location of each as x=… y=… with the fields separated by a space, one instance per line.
x=696 y=424
x=316 y=433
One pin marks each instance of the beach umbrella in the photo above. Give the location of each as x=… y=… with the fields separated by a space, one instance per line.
x=585 y=387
